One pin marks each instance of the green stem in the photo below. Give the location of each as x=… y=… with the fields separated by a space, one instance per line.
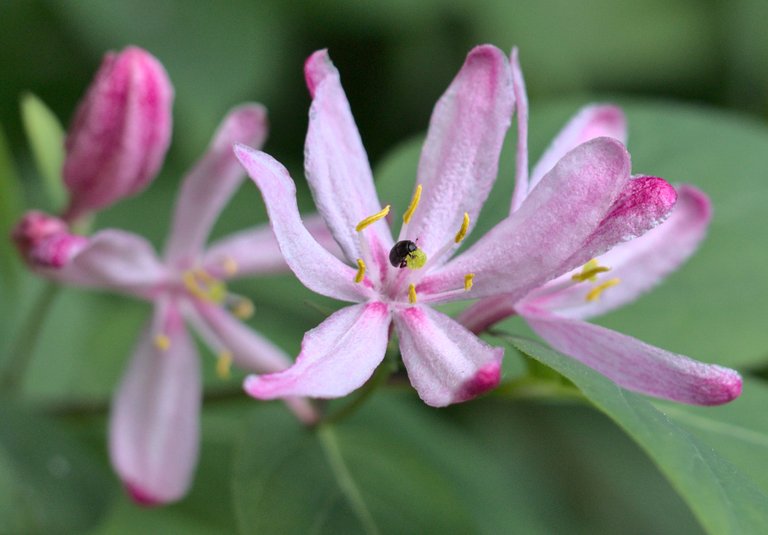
x=23 y=347
x=533 y=388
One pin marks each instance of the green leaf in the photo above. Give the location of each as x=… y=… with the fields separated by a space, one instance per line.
x=11 y=208
x=48 y=483
x=723 y=498
x=46 y=139
x=388 y=469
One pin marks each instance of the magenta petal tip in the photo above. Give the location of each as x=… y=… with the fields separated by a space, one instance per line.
x=486 y=378
x=141 y=497
x=316 y=68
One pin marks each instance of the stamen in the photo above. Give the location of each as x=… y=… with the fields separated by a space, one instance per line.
x=370 y=220
x=412 y=207
x=243 y=308
x=412 y=294
x=468 y=281
x=224 y=364
x=595 y=292
x=230 y=266
x=463 y=230
x=360 y=271
x=590 y=271
x=162 y=342
x=204 y=286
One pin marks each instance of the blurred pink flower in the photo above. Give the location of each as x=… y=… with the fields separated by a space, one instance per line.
x=556 y=309
x=576 y=212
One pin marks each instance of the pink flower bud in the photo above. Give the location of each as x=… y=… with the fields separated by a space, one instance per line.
x=120 y=133
x=45 y=241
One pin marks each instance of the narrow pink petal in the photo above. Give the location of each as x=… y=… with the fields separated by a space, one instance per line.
x=521 y=159
x=529 y=247
x=635 y=365
x=640 y=264
x=255 y=251
x=115 y=260
x=590 y=122
x=459 y=161
x=154 y=426
x=315 y=267
x=211 y=183
x=337 y=166
x=446 y=363
x=120 y=134
x=486 y=312
x=336 y=357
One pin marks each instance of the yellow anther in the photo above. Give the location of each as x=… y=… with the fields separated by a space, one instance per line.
x=412 y=207
x=162 y=342
x=204 y=286
x=469 y=280
x=370 y=220
x=412 y=294
x=230 y=266
x=590 y=271
x=463 y=230
x=595 y=292
x=224 y=364
x=243 y=308
x=360 y=270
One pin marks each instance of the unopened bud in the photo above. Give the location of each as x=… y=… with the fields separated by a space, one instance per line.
x=45 y=241
x=120 y=133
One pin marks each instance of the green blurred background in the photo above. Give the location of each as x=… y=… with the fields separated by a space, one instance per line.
x=395 y=57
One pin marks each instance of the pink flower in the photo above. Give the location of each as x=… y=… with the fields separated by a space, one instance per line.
x=581 y=207
x=556 y=309
x=154 y=426
x=118 y=139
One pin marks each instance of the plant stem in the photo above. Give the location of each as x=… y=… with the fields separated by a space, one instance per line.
x=23 y=347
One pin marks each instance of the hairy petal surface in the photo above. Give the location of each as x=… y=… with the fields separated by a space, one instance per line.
x=154 y=426
x=459 y=161
x=636 y=365
x=589 y=123
x=521 y=158
x=446 y=363
x=336 y=164
x=530 y=247
x=336 y=357
x=639 y=264
x=314 y=265
x=211 y=183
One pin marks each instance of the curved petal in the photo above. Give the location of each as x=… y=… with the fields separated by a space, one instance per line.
x=460 y=158
x=635 y=365
x=315 y=267
x=337 y=167
x=529 y=247
x=154 y=425
x=336 y=357
x=115 y=260
x=446 y=363
x=590 y=122
x=211 y=183
x=255 y=251
x=521 y=159
x=639 y=264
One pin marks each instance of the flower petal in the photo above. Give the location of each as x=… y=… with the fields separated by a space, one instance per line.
x=521 y=159
x=336 y=357
x=446 y=363
x=211 y=183
x=529 y=247
x=315 y=267
x=116 y=260
x=337 y=166
x=154 y=426
x=639 y=264
x=255 y=251
x=459 y=161
x=590 y=122
x=635 y=365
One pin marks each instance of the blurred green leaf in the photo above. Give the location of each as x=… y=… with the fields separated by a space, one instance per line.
x=720 y=495
x=48 y=482
x=11 y=208
x=389 y=469
x=46 y=139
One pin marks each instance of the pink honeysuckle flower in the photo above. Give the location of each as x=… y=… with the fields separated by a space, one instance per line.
x=580 y=208
x=556 y=309
x=154 y=425
x=120 y=133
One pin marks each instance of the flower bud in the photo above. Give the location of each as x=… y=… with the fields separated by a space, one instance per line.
x=120 y=132
x=45 y=241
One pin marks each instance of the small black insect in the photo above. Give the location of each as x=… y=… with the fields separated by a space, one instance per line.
x=399 y=254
